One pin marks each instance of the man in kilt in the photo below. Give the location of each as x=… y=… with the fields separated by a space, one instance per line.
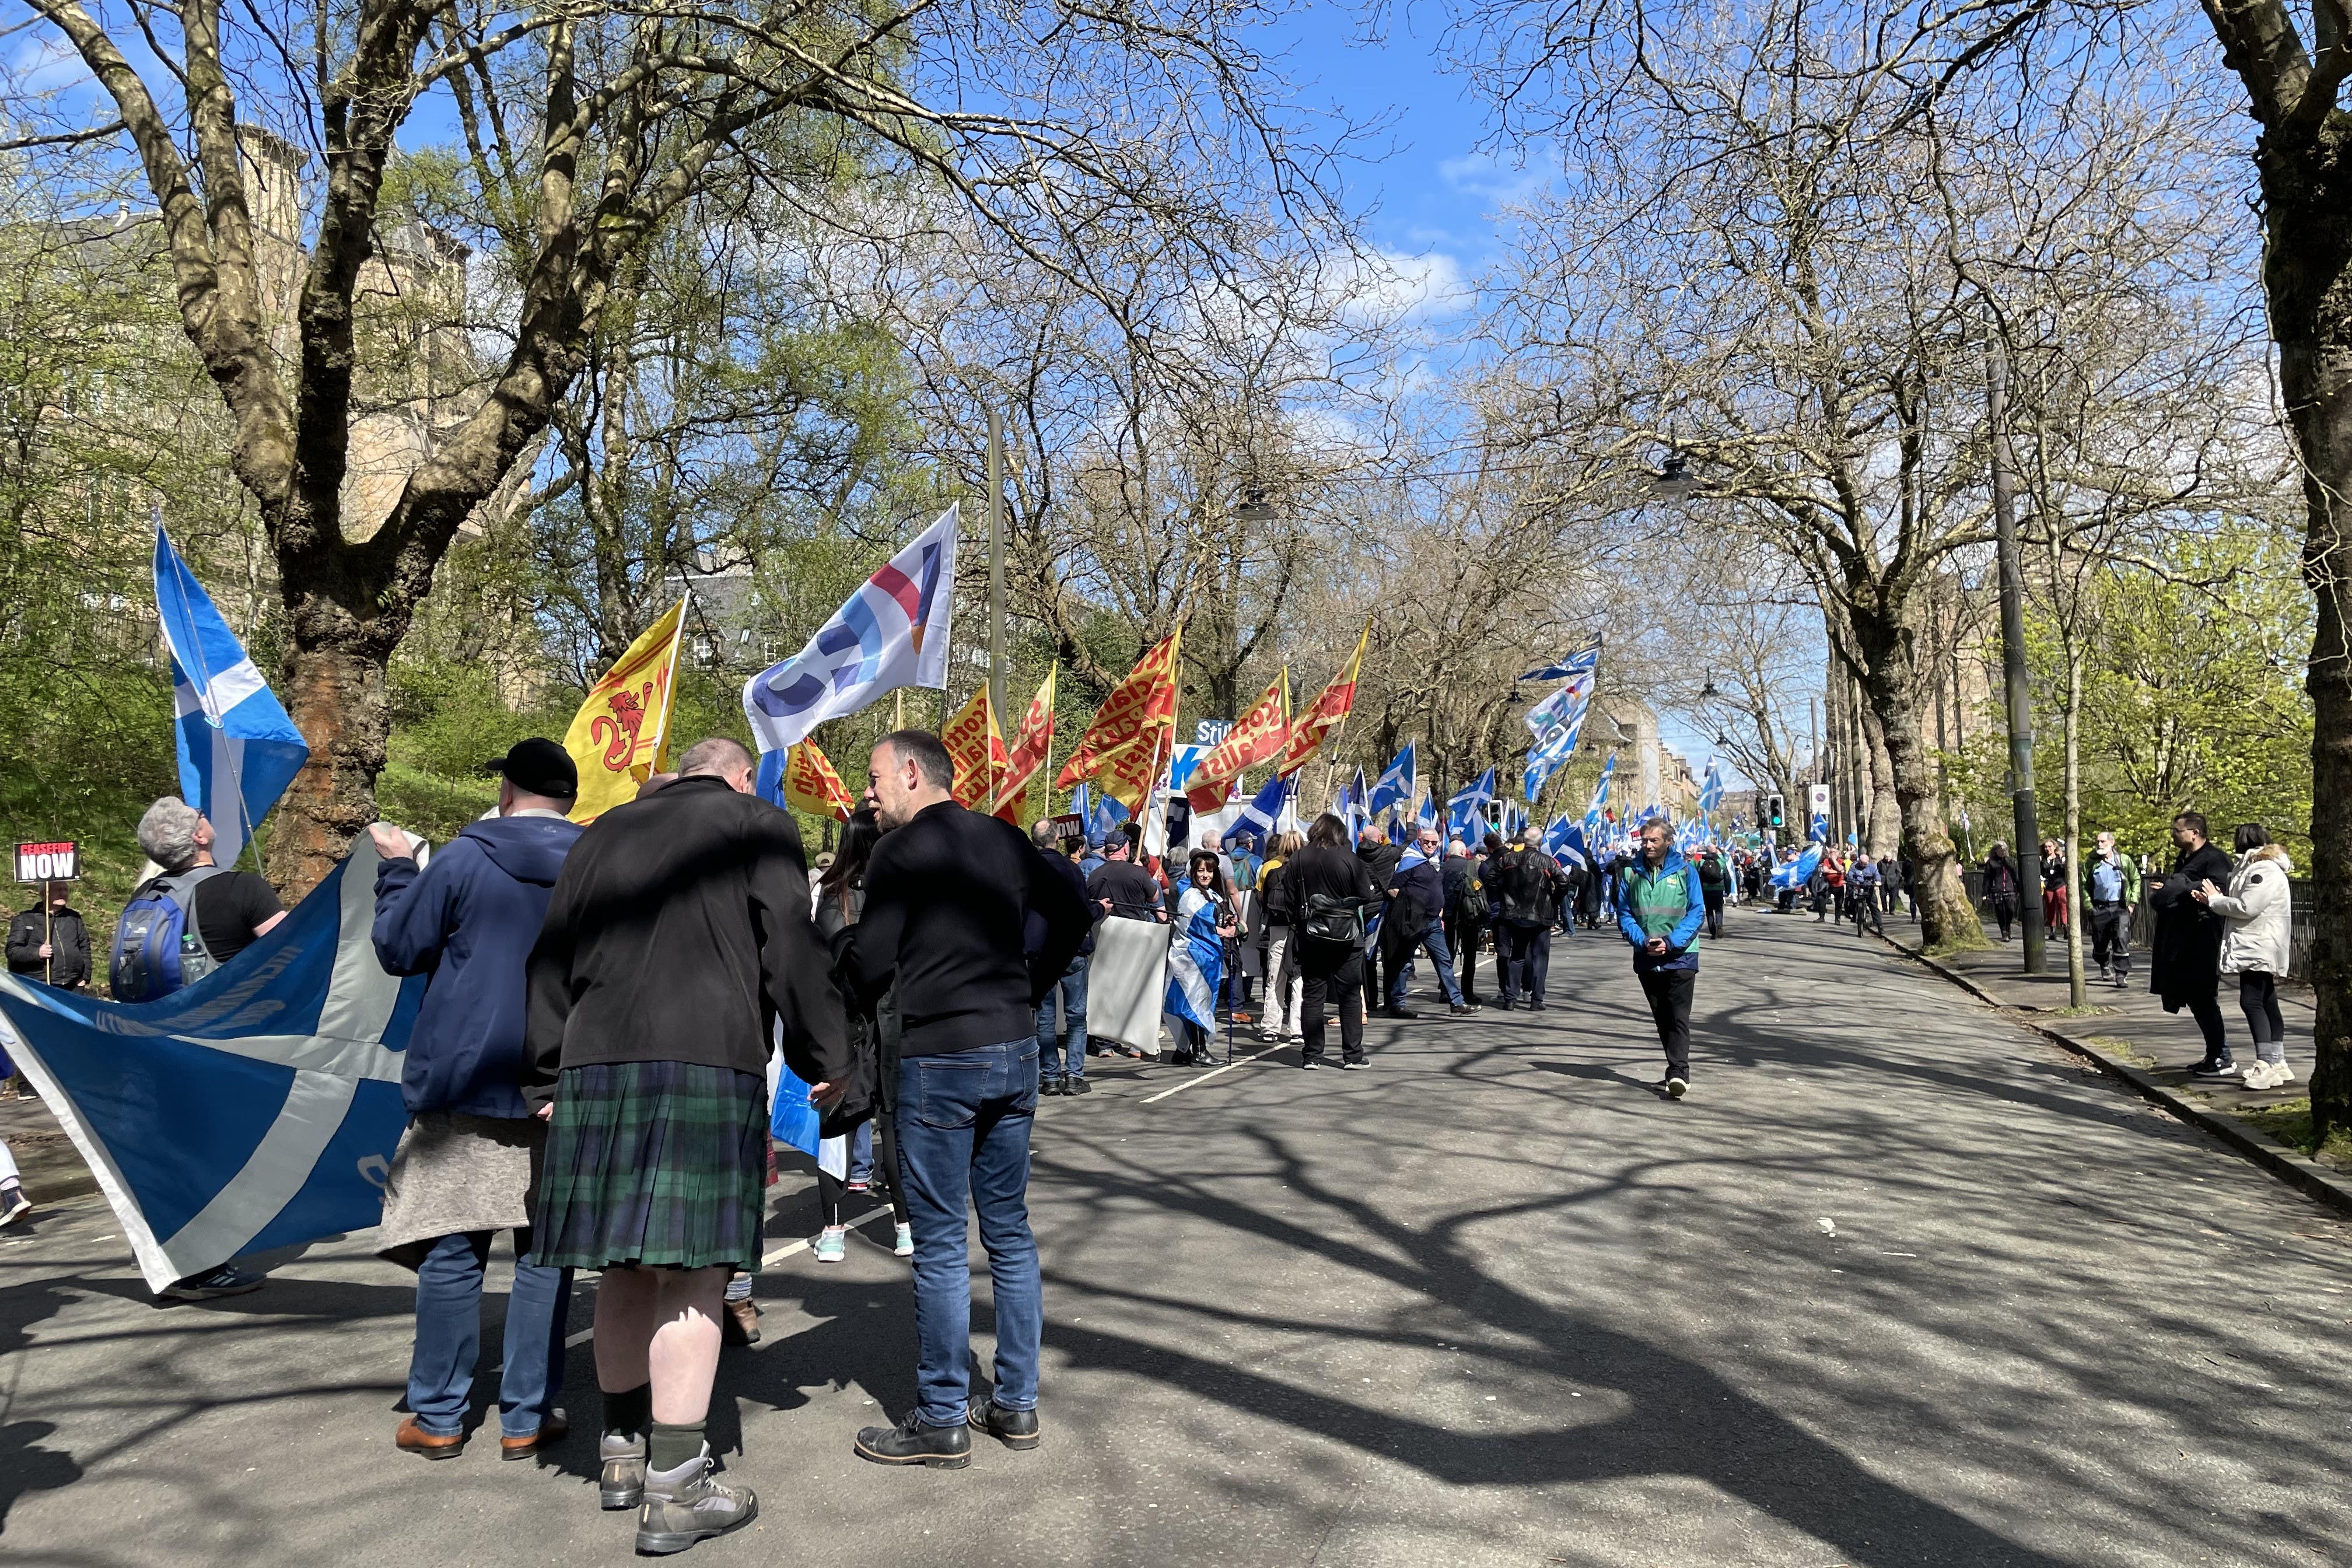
x=678 y=940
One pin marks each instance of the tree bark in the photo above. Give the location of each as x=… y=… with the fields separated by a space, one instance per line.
x=1885 y=829
x=2306 y=183
x=1888 y=648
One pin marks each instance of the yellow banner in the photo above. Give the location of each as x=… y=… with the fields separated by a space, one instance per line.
x=622 y=731
x=1307 y=732
x=1136 y=716
x=1262 y=732
x=1028 y=754
x=811 y=785
x=976 y=749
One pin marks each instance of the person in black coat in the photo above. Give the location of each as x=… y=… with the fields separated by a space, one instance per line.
x=2001 y=886
x=1325 y=869
x=50 y=943
x=1385 y=956
x=2185 y=967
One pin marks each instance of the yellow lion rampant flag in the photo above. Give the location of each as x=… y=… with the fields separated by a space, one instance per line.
x=811 y=785
x=621 y=732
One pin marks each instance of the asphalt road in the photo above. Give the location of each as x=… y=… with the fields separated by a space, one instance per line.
x=1897 y=1286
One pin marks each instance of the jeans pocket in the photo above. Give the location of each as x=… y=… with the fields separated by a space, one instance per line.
x=946 y=1093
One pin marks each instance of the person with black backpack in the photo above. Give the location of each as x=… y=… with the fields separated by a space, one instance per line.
x=179 y=926
x=1528 y=885
x=194 y=917
x=1324 y=891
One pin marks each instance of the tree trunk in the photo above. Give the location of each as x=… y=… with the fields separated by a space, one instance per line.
x=2307 y=184
x=2077 y=991
x=337 y=686
x=1891 y=687
x=1885 y=830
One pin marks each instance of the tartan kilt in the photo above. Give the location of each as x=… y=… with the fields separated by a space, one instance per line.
x=662 y=1163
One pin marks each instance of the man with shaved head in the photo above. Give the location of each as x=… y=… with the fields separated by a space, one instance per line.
x=678 y=940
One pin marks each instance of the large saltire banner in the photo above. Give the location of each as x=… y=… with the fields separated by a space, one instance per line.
x=257 y=1108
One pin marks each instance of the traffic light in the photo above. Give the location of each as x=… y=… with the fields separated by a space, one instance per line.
x=1777 y=813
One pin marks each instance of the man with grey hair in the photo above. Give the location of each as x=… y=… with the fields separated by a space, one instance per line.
x=223 y=912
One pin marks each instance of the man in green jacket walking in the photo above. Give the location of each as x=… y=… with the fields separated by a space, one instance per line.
x=1660 y=910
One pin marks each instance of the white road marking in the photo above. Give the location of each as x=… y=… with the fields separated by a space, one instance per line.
x=1213 y=1072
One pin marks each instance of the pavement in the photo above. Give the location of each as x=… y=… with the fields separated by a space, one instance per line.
x=1900 y=1284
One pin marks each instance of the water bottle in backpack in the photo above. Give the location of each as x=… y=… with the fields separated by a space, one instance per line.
x=157 y=947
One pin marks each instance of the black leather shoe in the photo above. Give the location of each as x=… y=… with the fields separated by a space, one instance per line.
x=1399 y=1013
x=1076 y=1085
x=1534 y=1006
x=912 y=1442
x=1463 y=1009
x=1049 y=1086
x=1013 y=1428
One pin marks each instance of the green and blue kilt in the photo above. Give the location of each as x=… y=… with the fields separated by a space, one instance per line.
x=662 y=1163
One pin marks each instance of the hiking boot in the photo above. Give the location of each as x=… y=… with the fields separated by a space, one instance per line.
x=621 y=1473
x=912 y=1442
x=1015 y=1429
x=690 y=1504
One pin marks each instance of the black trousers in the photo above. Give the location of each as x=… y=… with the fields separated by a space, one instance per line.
x=1669 y=991
x=1866 y=908
x=1714 y=913
x=1463 y=937
x=2258 y=1000
x=1343 y=983
x=1515 y=959
x=2005 y=911
x=2111 y=938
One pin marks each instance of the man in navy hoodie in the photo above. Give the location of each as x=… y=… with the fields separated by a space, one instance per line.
x=465 y=1167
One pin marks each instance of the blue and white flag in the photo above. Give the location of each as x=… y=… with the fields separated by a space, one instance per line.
x=1425 y=813
x=1263 y=816
x=238 y=751
x=1465 y=813
x=1515 y=820
x=1554 y=743
x=1104 y=820
x=1601 y=790
x=1350 y=806
x=892 y=632
x=1710 y=789
x=1583 y=661
x=1395 y=827
x=257 y=1108
x=1196 y=960
x=1396 y=784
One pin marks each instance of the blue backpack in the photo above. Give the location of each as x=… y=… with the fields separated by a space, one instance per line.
x=157 y=947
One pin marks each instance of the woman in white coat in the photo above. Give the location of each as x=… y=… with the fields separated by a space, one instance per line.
x=2254 y=945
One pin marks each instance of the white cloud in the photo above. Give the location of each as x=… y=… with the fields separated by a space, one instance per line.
x=1500 y=181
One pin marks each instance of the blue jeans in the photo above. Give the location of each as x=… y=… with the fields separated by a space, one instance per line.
x=963 y=1136
x=449 y=1337
x=1072 y=1048
x=861 y=1152
x=1432 y=941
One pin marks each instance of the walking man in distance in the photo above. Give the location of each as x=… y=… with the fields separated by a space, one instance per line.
x=948 y=896
x=1660 y=911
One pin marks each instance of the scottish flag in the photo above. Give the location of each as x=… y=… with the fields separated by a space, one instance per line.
x=1466 y=813
x=1349 y=807
x=1601 y=790
x=238 y=751
x=1263 y=816
x=1196 y=960
x=1425 y=815
x=257 y=1108
x=1554 y=745
x=1396 y=784
x=1583 y=661
x=1710 y=789
x=892 y=632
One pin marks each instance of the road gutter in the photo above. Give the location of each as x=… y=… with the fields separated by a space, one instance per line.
x=2297 y=1170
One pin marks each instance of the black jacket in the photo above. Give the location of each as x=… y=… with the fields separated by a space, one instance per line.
x=1134 y=892
x=679 y=931
x=1334 y=873
x=68 y=938
x=1420 y=891
x=947 y=896
x=2184 y=958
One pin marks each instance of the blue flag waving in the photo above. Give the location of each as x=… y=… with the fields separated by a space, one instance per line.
x=238 y=751
x=1583 y=661
x=1467 y=811
x=257 y=1108
x=1196 y=960
x=1263 y=814
x=1395 y=784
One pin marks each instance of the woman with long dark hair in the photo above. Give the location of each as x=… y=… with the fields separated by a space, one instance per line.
x=840 y=899
x=1325 y=891
x=1205 y=929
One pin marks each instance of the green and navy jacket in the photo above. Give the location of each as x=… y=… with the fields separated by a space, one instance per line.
x=1667 y=902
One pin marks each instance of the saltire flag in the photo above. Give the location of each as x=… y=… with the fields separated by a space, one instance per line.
x=1395 y=827
x=1551 y=750
x=1126 y=750
x=1600 y=790
x=1396 y=784
x=1576 y=841
x=1104 y=820
x=809 y=783
x=622 y=731
x=1025 y=758
x=1583 y=661
x=238 y=751
x=1514 y=821
x=1467 y=808
x=1349 y=807
x=1710 y=789
x=257 y=1108
x=1263 y=816
x=1307 y=731
x=1800 y=871
x=1425 y=815
x=976 y=747
x=1196 y=961
x=1259 y=735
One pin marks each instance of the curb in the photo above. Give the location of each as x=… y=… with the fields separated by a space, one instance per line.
x=2307 y=1175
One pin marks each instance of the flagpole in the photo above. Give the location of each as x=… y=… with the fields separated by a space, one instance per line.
x=1046 y=762
x=669 y=689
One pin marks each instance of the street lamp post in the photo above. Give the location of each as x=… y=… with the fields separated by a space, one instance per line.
x=2012 y=659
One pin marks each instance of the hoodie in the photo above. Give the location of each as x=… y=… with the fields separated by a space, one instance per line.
x=469 y=921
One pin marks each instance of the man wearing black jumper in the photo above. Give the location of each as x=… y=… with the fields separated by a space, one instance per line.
x=948 y=896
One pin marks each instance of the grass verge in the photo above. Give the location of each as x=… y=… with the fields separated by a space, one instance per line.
x=2290 y=1124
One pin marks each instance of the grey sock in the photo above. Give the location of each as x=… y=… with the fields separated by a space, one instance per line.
x=675 y=1445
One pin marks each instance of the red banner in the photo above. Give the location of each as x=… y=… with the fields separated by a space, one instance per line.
x=1260 y=733
x=811 y=785
x=977 y=749
x=1306 y=732
x=1028 y=753
x=1133 y=718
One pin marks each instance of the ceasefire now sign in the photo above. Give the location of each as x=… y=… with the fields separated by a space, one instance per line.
x=48 y=862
